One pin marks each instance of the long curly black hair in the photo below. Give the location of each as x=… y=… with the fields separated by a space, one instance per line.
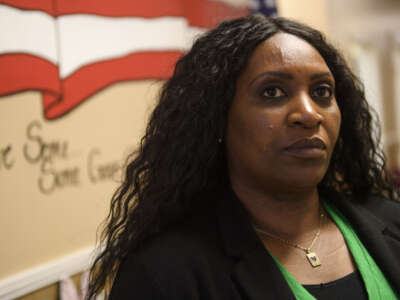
x=180 y=160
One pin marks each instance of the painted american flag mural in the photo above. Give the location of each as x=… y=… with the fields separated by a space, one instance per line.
x=71 y=49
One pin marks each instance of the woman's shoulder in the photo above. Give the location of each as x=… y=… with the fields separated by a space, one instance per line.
x=374 y=208
x=384 y=209
x=172 y=261
x=195 y=233
x=188 y=240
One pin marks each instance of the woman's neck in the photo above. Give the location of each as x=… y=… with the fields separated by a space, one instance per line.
x=289 y=215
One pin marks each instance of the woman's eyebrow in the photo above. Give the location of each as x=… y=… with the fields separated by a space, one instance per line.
x=288 y=76
x=322 y=74
x=279 y=74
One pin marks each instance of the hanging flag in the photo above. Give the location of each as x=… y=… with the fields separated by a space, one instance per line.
x=265 y=7
x=70 y=49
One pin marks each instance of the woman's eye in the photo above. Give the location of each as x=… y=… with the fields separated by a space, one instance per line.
x=322 y=92
x=273 y=92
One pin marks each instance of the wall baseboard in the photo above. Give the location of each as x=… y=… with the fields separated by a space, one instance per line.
x=46 y=274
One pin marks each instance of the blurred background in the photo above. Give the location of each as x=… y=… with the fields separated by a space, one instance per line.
x=78 y=80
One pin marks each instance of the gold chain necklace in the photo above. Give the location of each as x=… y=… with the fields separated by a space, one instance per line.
x=312 y=257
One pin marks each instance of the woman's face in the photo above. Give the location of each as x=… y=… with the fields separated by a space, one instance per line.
x=284 y=120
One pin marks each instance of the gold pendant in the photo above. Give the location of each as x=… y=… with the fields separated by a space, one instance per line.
x=313 y=259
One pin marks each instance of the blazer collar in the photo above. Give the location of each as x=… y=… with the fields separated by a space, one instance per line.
x=255 y=272
x=379 y=238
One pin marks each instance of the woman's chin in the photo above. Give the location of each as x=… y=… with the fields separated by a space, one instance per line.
x=305 y=180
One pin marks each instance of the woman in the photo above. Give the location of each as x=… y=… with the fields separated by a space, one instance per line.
x=258 y=178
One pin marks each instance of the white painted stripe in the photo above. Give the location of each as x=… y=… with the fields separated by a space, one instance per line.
x=31 y=32
x=46 y=274
x=192 y=33
x=85 y=39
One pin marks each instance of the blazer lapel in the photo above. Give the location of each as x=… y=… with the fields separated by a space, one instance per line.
x=255 y=273
x=258 y=277
x=381 y=241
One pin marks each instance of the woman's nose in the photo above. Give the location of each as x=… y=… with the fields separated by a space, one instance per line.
x=304 y=112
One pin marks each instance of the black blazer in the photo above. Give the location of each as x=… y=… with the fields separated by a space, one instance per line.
x=217 y=255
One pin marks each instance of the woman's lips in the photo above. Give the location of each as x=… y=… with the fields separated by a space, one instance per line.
x=307 y=148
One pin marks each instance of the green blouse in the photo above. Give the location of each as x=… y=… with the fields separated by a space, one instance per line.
x=375 y=282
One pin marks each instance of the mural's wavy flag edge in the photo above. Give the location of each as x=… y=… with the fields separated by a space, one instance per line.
x=21 y=71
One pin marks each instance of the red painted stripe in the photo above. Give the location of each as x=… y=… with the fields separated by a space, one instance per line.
x=92 y=78
x=208 y=13
x=43 y=5
x=19 y=72
x=202 y=13
x=122 y=8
